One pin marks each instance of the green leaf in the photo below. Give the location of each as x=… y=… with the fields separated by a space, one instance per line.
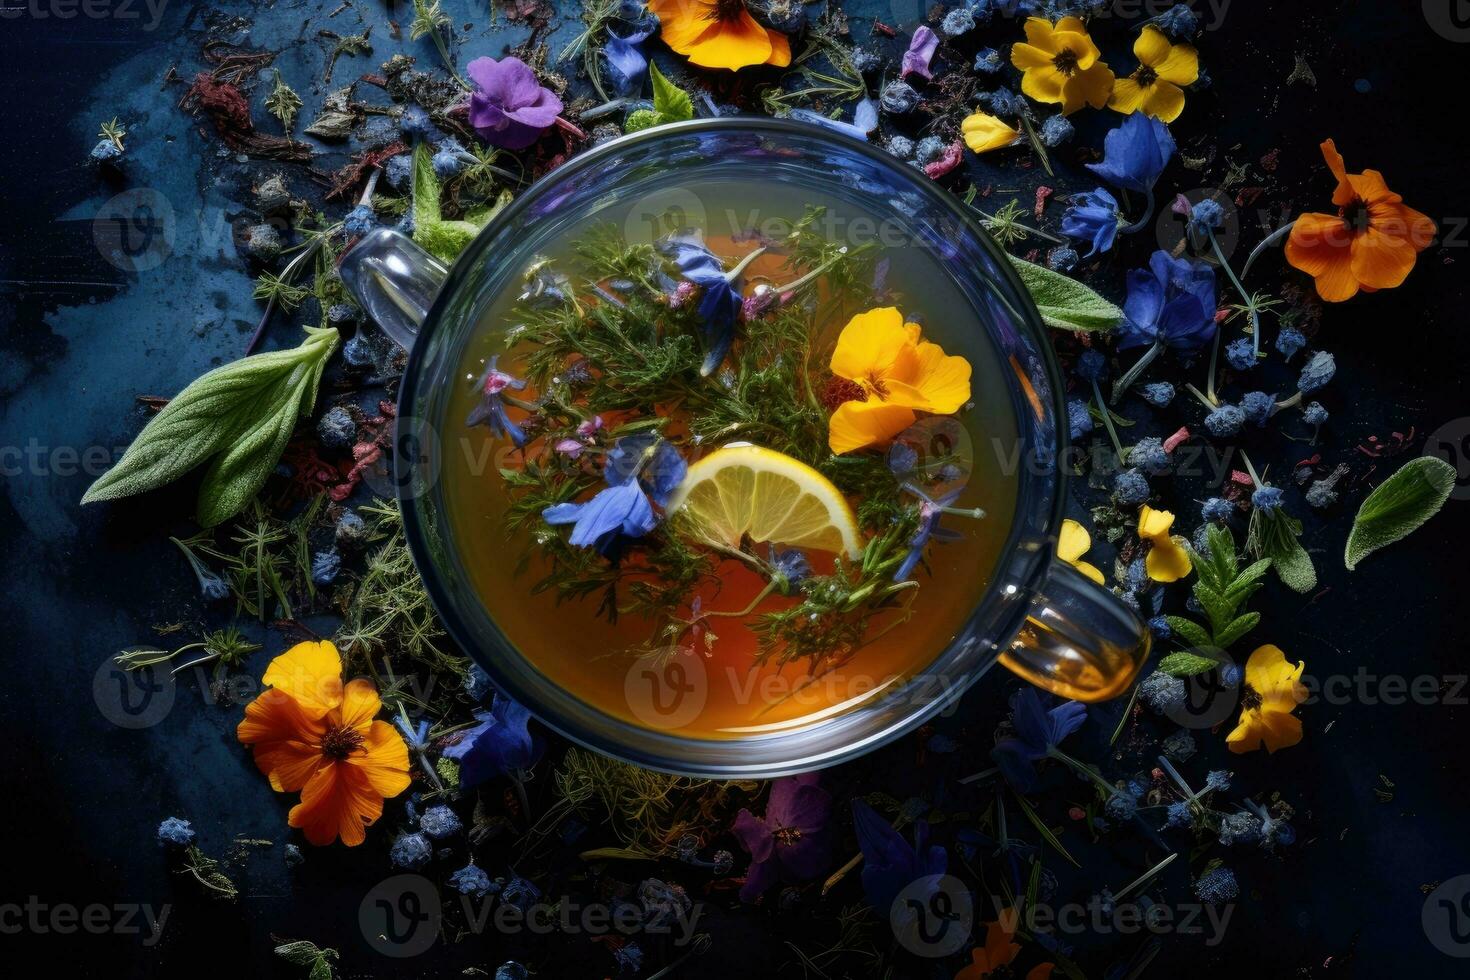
x=1294 y=568
x=1191 y=632
x=1400 y=505
x=1044 y=830
x=1247 y=581
x=440 y=238
x=1187 y=664
x=235 y=413
x=1066 y=304
x=671 y=103
x=1219 y=609
x=640 y=119
x=1239 y=627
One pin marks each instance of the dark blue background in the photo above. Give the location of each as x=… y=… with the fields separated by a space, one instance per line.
x=81 y=339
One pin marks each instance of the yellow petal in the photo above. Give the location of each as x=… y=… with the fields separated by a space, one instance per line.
x=856 y=425
x=1152 y=47
x=932 y=382
x=984 y=132
x=1039 y=34
x=1181 y=66
x=1091 y=87
x=1028 y=56
x=1164 y=101
x=1167 y=560
x=870 y=344
x=1153 y=525
x=1128 y=96
x=1088 y=569
x=732 y=44
x=1073 y=541
x=1273 y=729
x=1080 y=45
x=1275 y=679
x=311 y=673
x=1043 y=84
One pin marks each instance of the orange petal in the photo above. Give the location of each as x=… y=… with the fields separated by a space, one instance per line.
x=939 y=382
x=384 y=760
x=286 y=741
x=1370 y=187
x=1334 y=160
x=683 y=22
x=1381 y=261
x=870 y=344
x=999 y=949
x=336 y=802
x=858 y=424
x=733 y=44
x=359 y=703
x=1321 y=246
x=780 y=49
x=311 y=673
x=1403 y=222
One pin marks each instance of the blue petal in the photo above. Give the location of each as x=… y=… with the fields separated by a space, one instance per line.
x=1141 y=310
x=1135 y=153
x=625 y=60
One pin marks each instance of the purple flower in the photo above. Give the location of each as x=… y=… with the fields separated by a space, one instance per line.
x=890 y=864
x=637 y=467
x=509 y=108
x=502 y=741
x=920 y=53
x=1037 y=732
x=491 y=410
x=1172 y=303
x=720 y=301
x=791 y=842
x=1135 y=154
x=626 y=62
x=1092 y=217
x=930 y=510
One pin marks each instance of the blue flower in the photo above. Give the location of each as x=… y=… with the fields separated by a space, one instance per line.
x=988 y=61
x=1321 y=494
x=1241 y=354
x=1079 y=419
x=1122 y=805
x=1289 y=341
x=440 y=822
x=449 y=159
x=1135 y=154
x=1179 y=23
x=899 y=98
x=626 y=62
x=1208 y=215
x=491 y=410
x=1158 y=394
x=1091 y=366
x=1217 y=781
x=1005 y=103
x=1314 y=414
x=176 y=832
x=930 y=510
x=1179 y=815
x=791 y=566
x=360 y=220
x=501 y=742
x=900 y=146
x=1172 y=303
x=1093 y=217
x=398 y=171
x=520 y=893
x=1258 y=407
x=719 y=303
x=1057 y=130
x=1149 y=455
x=1225 y=421
x=638 y=467
x=1217 y=509
x=411 y=852
x=1317 y=372
x=890 y=864
x=1038 y=731
x=470 y=880
x=650 y=458
x=1063 y=258
x=477 y=684
x=960 y=20
x=1217 y=885
x=1267 y=499
x=1130 y=488
x=106 y=151
x=628 y=956
x=1160 y=628
x=325 y=565
x=1238 y=828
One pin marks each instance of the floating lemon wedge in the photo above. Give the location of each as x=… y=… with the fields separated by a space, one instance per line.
x=744 y=489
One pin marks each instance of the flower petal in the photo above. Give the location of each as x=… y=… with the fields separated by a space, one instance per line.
x=1275 y=679
x=1181 y=66
x=1380 y=261
x=870 y=344
x=1044 y=84
x=1073 y=541
x=336 y=802
x=856 y=425
x=1030 y=56
x=939 y=382
x=359 y=703
x=286 y=741
x=1152 y=47
x=683 y=22
x=1273 y=729
x=1321 y=246
x=733 y=44
x=984 y=132
x=1039 y=36
x=1091 y=87
x=1403 y=222
x=1164 y=101
x=780 y=49
x=383 y=760
x=311 y=673
x=1127 y=96
x=1167 y=561
x=1154 y=525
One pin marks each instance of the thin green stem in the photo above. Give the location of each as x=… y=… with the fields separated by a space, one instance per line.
x=1126 y=381
x=1148 y=215
x=1107 y=417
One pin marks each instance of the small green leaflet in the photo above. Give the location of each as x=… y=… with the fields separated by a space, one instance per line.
x=1187 y=664
x=237 y=419
x=1400 y=505
x=306 y=953
x=670 y=104
x=1066 y=304
x=440 y=238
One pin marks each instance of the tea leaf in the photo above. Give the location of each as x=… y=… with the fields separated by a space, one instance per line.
x=1066 y=304
x=1401 y=504
x=239 y=410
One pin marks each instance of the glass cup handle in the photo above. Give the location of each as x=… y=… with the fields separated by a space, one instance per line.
x=1080 y=641
x=394 y=281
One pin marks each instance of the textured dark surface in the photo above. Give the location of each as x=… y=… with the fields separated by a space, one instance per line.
x=82 y=338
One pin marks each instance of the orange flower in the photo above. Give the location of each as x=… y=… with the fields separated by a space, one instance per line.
x=311 y=733
x=719 y=34
x=888 y=373
x=998 y=953
x=1370 y=244
x=1061 y=64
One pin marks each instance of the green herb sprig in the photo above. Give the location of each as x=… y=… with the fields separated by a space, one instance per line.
x=1222 y=588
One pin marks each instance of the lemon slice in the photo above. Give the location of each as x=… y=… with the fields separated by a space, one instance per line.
x=744 y=489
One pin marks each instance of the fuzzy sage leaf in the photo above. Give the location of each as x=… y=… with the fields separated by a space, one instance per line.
x=1066 y=304
x=237 y=418
x=1399 y=506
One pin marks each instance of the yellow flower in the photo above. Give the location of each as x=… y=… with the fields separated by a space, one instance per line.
x=1155 y=86
x=719 y=34
x=1061 y=64
x=1167 y=561
x=1072 y=544
x=1273 y=689
x=889 y=373
x=984 y=132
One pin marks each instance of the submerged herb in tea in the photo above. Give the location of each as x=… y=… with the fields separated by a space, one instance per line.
x=735 y=451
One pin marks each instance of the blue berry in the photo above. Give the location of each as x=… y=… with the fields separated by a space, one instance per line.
x=1217 y=509
x=1158 y=393
x=1149 y=456
x=1289 y=341
x=1267 y=499
x=1225 y=421
x=1130 y=488
x=1258 y=407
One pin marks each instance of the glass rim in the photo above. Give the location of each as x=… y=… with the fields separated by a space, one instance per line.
x=644 y=745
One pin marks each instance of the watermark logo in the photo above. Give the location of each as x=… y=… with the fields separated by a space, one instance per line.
x=1171 y=227
x=667 y=688
x=400 y=916
x=933 y=917
x=1450 y=19
x=664 y=212
x=1446 y=917
x=1210 y=697
x=135 y=230
x=1451 y=443
x=133 y=699
x=410 y=461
